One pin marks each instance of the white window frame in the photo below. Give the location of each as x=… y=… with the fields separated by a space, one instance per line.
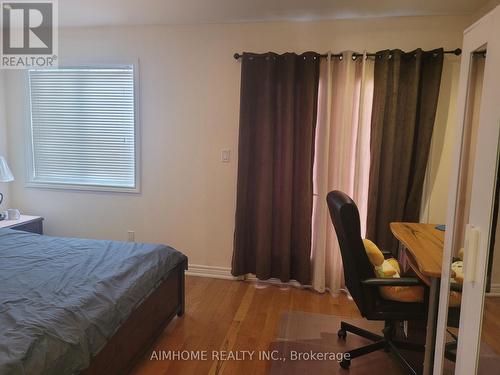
x=30 y=183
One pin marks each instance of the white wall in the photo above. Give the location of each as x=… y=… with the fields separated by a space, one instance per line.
x=189 y=103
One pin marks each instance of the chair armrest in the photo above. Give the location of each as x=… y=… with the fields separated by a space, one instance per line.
x=401 y=281
x=387 y=254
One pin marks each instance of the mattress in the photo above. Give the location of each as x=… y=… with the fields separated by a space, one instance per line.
x=61 y=299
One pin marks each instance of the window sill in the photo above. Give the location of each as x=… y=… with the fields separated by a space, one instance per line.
x=89 y=188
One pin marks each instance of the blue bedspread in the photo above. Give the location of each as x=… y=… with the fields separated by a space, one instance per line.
x=61 y=299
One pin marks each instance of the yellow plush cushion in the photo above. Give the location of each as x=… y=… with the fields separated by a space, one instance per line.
x=395 y=264
x=457 y=271
x=457 y=276
x=389 y=268
x=374 y=254
x=402 y=293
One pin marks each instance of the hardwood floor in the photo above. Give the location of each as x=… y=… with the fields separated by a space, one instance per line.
x=233 y=315
x=223 y=315
x=491 y=323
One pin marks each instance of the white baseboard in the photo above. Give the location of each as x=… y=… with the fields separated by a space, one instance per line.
x=211 y=271
x=273 y=281
x=225 y=273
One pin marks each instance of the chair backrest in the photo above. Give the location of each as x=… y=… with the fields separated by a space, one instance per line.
x=357 y=267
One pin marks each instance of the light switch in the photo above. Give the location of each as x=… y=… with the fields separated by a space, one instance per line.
x=225 y=156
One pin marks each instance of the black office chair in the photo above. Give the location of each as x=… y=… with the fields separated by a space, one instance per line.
x=363 y=286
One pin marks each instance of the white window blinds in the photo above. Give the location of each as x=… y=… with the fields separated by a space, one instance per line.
x=83 y=127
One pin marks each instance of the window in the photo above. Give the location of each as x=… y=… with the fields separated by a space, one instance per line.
x=83 y=128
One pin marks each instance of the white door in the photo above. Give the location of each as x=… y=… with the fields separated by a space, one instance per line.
x=471 y=208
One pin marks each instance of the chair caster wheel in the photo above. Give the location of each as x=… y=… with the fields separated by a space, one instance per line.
x=345 y=363
x=342 y=333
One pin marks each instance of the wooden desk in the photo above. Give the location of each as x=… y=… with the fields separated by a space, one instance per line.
x=423 y=244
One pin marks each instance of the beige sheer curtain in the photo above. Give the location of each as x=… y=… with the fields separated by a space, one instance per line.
x=342 y=157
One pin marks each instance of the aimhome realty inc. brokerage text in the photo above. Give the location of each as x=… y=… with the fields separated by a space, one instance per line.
x=244 y=355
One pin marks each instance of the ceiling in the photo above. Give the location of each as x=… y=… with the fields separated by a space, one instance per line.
x=142 y=12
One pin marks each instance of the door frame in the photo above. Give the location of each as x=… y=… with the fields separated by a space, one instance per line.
x=482 y=196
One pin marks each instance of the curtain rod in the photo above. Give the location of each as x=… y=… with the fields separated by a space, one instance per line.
x=456 y=52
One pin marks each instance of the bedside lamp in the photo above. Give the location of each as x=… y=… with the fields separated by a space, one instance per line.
x=5 y=174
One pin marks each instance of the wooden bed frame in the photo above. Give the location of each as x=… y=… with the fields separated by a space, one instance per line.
x=144 y=325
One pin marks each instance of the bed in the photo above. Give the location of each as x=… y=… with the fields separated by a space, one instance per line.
x=70 y=305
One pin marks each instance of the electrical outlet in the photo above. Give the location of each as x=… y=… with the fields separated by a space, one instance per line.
x=225 y=156
x=131 y=236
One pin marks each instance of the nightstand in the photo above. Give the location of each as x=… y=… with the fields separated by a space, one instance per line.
x=32 y=224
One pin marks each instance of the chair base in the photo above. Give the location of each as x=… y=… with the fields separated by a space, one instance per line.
x=385 y=342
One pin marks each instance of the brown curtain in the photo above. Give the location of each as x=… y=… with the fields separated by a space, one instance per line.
x=275 y=162
x=406 y=90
